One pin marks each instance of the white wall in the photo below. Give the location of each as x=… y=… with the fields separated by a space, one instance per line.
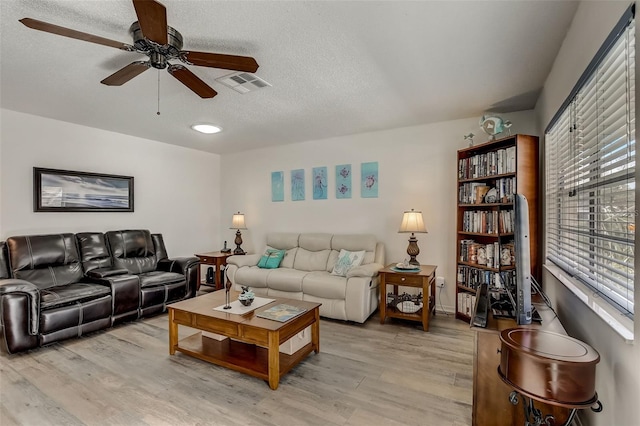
x=618 y=375
x=417 y=169
x=177 y=190
x=1 y=203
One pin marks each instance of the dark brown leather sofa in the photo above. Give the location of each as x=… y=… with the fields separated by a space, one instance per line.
x=54 y=287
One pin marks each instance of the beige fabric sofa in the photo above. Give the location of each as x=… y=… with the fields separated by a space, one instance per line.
x=305 y=273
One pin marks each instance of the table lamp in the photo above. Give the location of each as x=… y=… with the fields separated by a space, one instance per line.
x=238 y=224
x=412 y=222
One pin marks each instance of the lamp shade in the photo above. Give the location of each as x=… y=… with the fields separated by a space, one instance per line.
x=238 y=221
x=412 y=222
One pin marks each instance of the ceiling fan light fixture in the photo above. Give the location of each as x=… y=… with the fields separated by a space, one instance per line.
x=206 y=128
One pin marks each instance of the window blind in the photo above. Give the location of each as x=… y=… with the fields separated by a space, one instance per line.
x=590 y=186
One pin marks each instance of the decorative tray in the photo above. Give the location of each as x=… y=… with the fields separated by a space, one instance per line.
x=396 y=269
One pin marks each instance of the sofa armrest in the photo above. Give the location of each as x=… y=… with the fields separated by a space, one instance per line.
x=244 y=260
x=187 y=266
x=369 y=270
x=15 y=286
x=125 y=294
x=177 y=264
x=106 y=272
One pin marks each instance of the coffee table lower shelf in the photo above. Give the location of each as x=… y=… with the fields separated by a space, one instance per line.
x=243 y=357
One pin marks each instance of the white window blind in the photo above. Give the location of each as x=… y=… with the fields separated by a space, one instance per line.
x=590 y=164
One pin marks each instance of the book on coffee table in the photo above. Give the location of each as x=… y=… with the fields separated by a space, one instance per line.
x=281 y=312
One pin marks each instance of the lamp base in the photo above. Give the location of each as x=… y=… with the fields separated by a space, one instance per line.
x=413 y=250
x=238 y=241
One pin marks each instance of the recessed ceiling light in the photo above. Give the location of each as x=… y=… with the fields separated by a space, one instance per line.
x=206 y=128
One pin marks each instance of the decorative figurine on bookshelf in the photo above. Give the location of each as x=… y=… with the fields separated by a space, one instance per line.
x=470 y=138
x=507 y=125
x=492 y=126
x=491 y=196
x=225 y=249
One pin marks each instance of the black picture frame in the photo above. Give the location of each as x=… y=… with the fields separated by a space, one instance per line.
x=72 y=191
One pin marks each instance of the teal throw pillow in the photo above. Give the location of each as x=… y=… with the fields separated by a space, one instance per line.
x=271 y=259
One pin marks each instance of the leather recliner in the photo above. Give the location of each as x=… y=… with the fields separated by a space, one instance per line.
x=59 y=301
x=53 y=287
x=161 y=280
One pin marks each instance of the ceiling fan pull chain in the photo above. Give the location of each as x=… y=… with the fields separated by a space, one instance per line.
x=158 y=93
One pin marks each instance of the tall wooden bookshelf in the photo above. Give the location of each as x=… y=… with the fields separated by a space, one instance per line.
x=488 y=176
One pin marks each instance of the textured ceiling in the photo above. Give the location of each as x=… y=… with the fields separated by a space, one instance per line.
x=336 y=67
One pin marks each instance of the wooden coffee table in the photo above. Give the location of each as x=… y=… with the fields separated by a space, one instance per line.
x=253 y=344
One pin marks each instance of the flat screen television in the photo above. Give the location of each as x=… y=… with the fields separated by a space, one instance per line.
x=522 y=297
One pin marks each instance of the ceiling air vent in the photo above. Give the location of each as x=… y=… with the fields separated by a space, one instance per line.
x=243 y=82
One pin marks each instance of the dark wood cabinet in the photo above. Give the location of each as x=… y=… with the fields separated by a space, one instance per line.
x=491 y=405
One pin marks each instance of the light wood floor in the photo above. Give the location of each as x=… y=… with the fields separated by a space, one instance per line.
x=365 y=374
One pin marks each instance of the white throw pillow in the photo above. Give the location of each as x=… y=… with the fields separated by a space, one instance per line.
x=347 y=260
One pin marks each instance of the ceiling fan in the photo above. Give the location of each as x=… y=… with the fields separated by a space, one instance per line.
x=161 y=43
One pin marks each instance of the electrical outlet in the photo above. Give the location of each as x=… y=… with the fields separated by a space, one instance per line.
x=440 y=282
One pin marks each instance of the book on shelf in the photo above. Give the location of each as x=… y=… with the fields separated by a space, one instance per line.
x=281 y=312
x=507 y=254
x=475 y=192
x=496 y=162
x=471 y=277
x=483 y=254
x=466 y=303
x=480 y=192
x=488 y=222
x=472 y=192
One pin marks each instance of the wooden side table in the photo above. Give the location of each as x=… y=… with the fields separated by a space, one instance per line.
x=424 y=279
x=219 y=260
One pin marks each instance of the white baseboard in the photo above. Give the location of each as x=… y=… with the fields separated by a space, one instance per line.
x=445 y=310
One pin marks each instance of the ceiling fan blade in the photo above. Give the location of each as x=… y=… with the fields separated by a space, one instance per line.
x=217 y=60
x=192 y=81
x=125 y=74
x=152 y=17
x=67 y=32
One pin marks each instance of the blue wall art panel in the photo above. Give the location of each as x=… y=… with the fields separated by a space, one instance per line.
x=343 y=181
x=319 y=183
x=277 y=186
x=297 y=185
x=369 y=180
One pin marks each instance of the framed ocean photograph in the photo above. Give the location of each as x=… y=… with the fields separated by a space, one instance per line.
x=69 y=191
x=297 y=185
x=319 y=183
x=369 y=180
x=343 y=181
x=277 y=186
